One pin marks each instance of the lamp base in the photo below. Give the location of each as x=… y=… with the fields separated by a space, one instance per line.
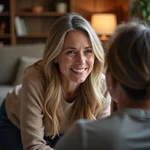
x=104 y=38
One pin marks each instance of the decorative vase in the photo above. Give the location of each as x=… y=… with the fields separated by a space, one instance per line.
x=1 y=8
x=37 y=9
x=61 y=7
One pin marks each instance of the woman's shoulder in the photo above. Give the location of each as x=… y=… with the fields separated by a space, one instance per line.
x=35 y=73
x=102 y=77
x=35 y=70
x=104 y=85
x=103 y=80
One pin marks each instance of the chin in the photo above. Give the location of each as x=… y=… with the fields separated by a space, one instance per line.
x=79 y=81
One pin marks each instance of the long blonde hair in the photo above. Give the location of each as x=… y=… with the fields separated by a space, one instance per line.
x=89 y=99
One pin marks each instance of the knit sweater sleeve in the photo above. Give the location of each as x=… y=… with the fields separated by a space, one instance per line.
x=31 y=115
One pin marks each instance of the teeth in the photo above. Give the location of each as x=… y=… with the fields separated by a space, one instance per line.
x=78 y=70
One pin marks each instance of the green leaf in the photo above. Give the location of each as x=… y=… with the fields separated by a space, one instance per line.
x=148 y=8
x=145 y=15
x=141 y=3
x=146 y=1
x=143 y=7
x=136 y=9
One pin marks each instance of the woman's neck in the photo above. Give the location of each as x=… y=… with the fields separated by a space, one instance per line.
x=69 y=97
x=69 y=91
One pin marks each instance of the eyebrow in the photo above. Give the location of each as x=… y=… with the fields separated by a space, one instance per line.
x=75 y=48
x=70 y=48
x=88 y=47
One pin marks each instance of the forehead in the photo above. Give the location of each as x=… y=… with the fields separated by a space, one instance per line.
x=77 y=37
x=77 y=32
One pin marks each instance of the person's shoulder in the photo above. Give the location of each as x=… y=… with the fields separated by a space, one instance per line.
x=35 y=70
x=103 y=85
x=35 y=74
x=102 y=76
x=97 y=133
x=100 y=126
x=103 y=79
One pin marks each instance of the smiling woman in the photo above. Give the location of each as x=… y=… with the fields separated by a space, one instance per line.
x=66 y=85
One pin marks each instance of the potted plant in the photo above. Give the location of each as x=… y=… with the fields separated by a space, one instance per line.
x=61 y=6
x=142 y=8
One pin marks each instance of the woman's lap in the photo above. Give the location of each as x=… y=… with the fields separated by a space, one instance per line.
x=10 y=137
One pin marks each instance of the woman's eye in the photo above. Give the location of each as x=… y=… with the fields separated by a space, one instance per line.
x=89 y=51
x=71 y=52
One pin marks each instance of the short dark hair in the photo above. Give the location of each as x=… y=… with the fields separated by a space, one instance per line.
x=128 y=59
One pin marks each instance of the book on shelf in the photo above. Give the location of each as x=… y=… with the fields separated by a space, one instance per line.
x=25 y=27
x=21 y=26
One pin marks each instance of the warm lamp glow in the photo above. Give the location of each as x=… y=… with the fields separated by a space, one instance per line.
x=104 y=23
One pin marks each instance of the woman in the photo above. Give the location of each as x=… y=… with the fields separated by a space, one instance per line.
x=128 y=80
x=66 y=85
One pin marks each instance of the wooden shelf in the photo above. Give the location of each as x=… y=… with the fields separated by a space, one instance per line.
x=5 y=14
x=40 y=23
x=42 y=14
x=37 y=25
x=33 y=36
x=4 y=36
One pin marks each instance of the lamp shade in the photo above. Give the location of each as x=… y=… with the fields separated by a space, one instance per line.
x=104 y=23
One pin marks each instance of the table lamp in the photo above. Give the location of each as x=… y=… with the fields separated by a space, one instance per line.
x=104 y=24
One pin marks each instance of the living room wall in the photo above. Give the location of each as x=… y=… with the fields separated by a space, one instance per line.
x=87 y=7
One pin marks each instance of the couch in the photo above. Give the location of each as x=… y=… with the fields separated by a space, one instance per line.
x=13 y=61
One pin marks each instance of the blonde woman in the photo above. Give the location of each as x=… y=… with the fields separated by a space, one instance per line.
x=65 y=86
x=128 y=80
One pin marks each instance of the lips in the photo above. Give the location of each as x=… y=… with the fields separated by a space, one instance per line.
x=78 y=70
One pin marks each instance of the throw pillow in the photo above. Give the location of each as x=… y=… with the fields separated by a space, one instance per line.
x=24 y=62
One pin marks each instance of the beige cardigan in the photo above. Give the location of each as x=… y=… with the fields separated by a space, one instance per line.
x=25 y=109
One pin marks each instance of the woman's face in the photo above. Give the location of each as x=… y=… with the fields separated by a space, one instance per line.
x=76 y=59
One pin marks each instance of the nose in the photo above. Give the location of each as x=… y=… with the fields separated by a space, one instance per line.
x=80 y=58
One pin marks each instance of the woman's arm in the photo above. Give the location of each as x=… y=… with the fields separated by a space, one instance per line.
x=31 y=117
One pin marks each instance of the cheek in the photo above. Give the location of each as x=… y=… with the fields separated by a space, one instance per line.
x=91 y=61
x=64 y=64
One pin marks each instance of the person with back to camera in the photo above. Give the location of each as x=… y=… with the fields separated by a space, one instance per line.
x=65 y=86
x=128 y=81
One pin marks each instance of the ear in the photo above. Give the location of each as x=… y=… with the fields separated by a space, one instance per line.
x=56 y=60
x=109 y=80
x=111 y=84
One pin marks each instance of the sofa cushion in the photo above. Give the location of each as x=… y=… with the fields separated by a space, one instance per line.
x=24 y=62
x=3 y=92
x=9 y=58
